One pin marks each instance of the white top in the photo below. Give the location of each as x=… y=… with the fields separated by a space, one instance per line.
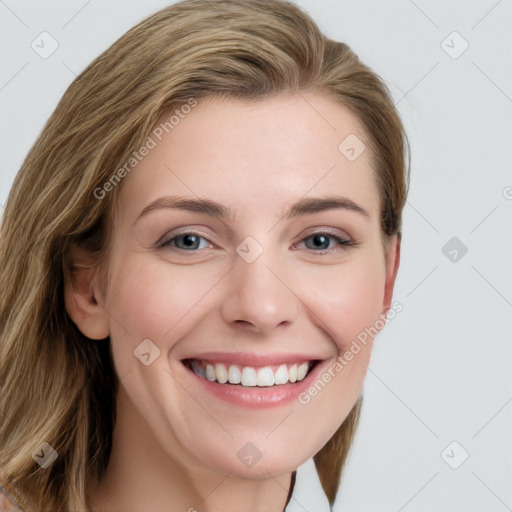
x=308 y=493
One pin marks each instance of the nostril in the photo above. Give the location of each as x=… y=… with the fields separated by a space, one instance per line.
x=246 y=325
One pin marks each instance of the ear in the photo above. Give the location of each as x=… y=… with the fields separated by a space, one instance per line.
x=81 y=295
x=392 y=264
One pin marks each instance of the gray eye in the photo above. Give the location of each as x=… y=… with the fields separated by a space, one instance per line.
x=189 y=241
x=320 y=241
x=186 y=242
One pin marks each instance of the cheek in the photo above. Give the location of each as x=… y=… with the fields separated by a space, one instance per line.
x=151 y=299
x=348 y=307
x=349 y=299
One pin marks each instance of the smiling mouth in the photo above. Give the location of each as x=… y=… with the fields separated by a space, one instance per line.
x=251 y=376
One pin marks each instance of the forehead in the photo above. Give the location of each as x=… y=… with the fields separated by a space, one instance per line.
x=255 y=157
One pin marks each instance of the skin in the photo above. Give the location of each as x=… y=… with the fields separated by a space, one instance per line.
x=174 y=447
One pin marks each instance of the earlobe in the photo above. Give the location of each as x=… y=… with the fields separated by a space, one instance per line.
x=392 y=264
x=83 y=303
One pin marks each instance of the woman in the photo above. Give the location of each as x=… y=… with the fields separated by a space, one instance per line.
x=196 y=255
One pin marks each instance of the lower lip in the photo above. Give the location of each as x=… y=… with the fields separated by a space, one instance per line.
x=256 y=397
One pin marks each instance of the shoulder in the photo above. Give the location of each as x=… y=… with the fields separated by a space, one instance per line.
x=7 y=501
x=9 y=496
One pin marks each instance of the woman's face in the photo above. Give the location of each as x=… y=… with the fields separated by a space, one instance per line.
x=252 y=271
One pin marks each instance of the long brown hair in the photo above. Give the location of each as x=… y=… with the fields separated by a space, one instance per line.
x=59 y=387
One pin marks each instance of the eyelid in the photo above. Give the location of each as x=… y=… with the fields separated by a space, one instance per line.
x=328 y=230
x=334 y=232
x=170 y=235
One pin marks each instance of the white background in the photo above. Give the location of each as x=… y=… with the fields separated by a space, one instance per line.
x=441 y=370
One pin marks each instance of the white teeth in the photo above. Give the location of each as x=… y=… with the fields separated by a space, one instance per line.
x=249 y=376
x=210 y=372
x=265 y=377
x=292 y=373
x=234 y=375
x=302 y=370
x=221 y=373
x=281 y=376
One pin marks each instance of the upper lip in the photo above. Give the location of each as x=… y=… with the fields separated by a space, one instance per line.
x=252 y=359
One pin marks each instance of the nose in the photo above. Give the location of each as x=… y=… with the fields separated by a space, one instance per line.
x=259 y=297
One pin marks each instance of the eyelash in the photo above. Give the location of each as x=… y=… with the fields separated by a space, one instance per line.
x=344 y=242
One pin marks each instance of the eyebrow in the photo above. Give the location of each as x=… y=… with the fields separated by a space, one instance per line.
x=212 y=208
